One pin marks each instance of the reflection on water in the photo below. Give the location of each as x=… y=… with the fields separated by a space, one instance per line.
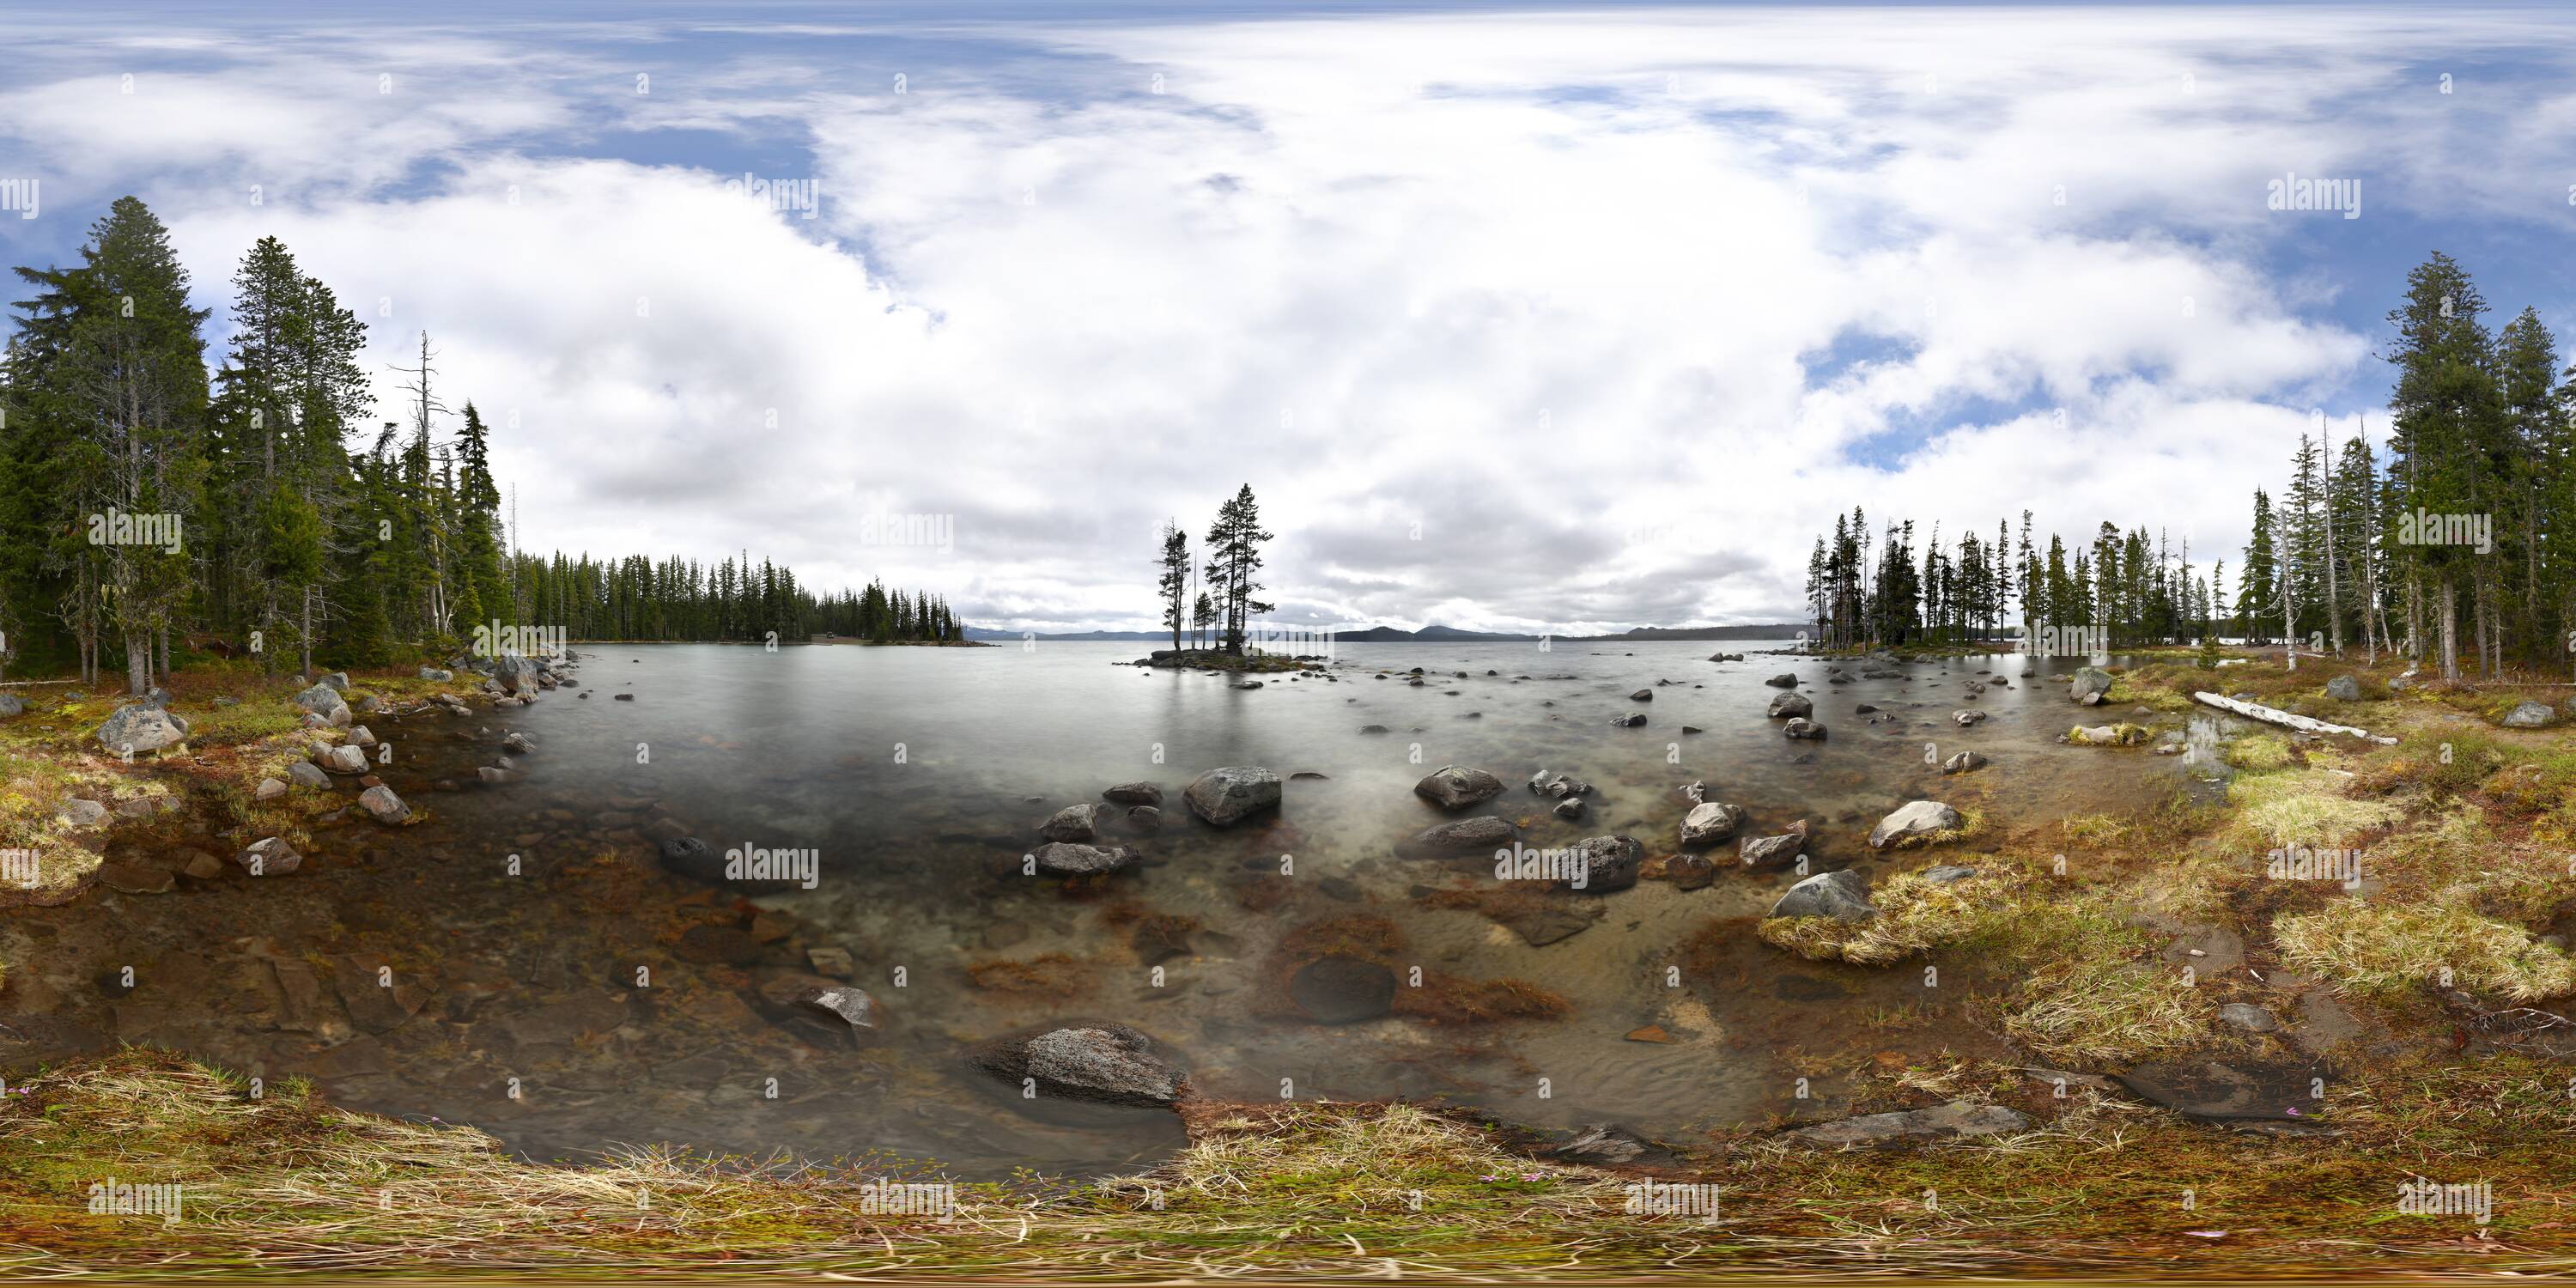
x=629 y=1006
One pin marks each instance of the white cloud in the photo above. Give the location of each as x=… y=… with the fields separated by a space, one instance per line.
x=1511 y=320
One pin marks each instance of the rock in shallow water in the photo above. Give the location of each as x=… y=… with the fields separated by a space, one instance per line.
x=1956 y=1120
x=1342 y=990
x=1099 y=1063
x=1224 y=797
x=1456 y=787
x=1843 y=896
x=1916 y=818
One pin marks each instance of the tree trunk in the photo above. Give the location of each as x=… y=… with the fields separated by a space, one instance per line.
x=138 y=664
x=2448 y=611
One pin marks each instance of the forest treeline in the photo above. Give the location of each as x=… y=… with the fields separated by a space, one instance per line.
x=2456 y=537
x=147 y=498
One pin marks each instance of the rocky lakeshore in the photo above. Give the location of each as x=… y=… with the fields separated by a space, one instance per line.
x=1992 y=951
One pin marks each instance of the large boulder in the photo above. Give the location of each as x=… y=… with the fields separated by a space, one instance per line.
x=326 y=702
x=1465 y=835
x=1843 y=896
x=308 y=775
x=2529 y=715
x=1711 y=822
x=1791 y=705
x=1608 y=862
x=138 y=729
x=1456 y=787
x=1915 y=818
x=2344 y=688
x=1099 y=1063
x=2089 y=686
x=337 y=682
x=12 y=705
x=1227 y=796
x=1784 y=680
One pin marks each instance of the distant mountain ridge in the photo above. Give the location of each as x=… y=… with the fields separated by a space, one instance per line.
x=1443 y=635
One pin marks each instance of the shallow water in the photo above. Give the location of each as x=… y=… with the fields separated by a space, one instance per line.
x=919 y=776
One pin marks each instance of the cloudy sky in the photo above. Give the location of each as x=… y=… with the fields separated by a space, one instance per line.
x=1514 y=317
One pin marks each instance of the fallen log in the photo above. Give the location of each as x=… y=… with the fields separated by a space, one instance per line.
x=2274 y=715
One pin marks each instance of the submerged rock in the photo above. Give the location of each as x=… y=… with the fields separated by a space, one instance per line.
x=1098 y=1063
x=1791 y=704
x=1773 y=851
x=1608 y=863
x=1630 y=721
x=1073 y=823
x=383 y=806
x=1134 y=794
x=1455 y=787
x=1342 y=990
x=1957 y=1120
x=1224 y=797
x=1804 y=729
x=1783 y=680
x=1464 y=835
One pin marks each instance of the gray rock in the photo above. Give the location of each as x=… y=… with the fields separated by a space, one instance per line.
x=1843 y=896
x=493 y=775
x=1073 y=823
x=1957 y=1120
x=1804 y=729
x=1465 y=835
x=1144 y=818
x=269 y=857
x=140 y=729
x=308 y=775
x=270 y=789
x=822 y=998
x=1067 y=859
x=1784 y=680
x=1609 y=862
x=2089 y=686
x=1791 y=704
x=1224 y=797
x=382 y=805
x=12 y=705
x=1455 y=787
x=1569 y=809
x=1915 y=818
x=1629 y=721
x=2529 y=715
x=80 y=813
x=1963 y=762
x=1642 y=695
x=1773 y=851
x=2343 y=688
x=361 y=736
x=2247 y=1016
x=337 y=681
x=344 y=760
x=1711 y=822
x=1134 y=794
x=1963 y=719
x=1946 y=874
x=435 y=675
x=1098 y=1063
x=519 y=743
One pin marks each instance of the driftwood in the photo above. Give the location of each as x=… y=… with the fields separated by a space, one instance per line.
x=2274 y=715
